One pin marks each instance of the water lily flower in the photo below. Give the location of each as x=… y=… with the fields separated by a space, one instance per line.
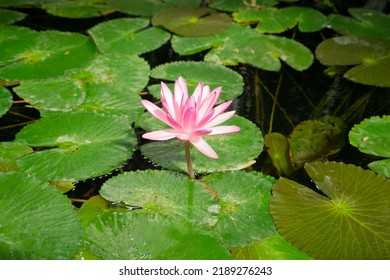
x=190 y=117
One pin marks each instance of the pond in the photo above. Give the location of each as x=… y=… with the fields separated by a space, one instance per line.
x=310 y=90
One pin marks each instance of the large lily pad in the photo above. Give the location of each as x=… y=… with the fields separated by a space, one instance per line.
x=236 y=151
x=137 y=236
x=372 y=137
x=194 y=72
x=76 y=145
x=240 y=44
x=369 y=54
x=38 y=55
x=234 y=5
x=5 y=100
x=279 y=20
x=350 y=221
x=127 y=36
x=147 y=7
x=37 y=221
x=192 y=21
x=367 y=23
x=110 y=84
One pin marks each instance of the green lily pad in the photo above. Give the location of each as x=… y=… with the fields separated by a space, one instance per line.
x=278 y=149
x=194 y=72
x=5 y=100
x=314 y=140
x=78 y=9
x=43 y=54
x=192 y=21
x=147 y=7
x=10 y=152
x=37 y=221
x=137 y=236
x=370 y=55
x=236 y=151
x=279 y=20
x=372 y=136
x=271 y=248
x=127 y=36
x=110 y=84
x=367 y=23
x=76 y=145
x=350 y=221
x=243 y=214
x=243 y=44
x=9 y=16
x=161 y=193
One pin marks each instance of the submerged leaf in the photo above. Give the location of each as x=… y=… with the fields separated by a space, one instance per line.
x=350 y=221
x=278 y=149
x=37 y=221
x=192 y=21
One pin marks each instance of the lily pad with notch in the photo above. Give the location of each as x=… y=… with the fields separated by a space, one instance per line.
x=76 y=145
x=347 y=220
x=127 y=36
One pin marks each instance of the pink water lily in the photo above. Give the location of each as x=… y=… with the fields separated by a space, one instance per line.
x=192 y=117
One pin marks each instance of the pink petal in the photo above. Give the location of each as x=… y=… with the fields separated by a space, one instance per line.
x=167 y=100
x=189 y=119
x=220 y=119
x=155 y=111
x=207 y=104
x=227 y=129
x=203 y=147
x=164 y=134
x=197 y=95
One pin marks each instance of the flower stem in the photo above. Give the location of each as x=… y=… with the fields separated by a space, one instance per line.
x=188 y=158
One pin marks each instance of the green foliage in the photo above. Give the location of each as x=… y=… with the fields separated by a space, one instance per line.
x=350 y=221
x=239 y=44
x=372 y=137
x=192 y=21
x=37 y=221
x=78 y=9
x=5 y=100
x=10 y=152
x=9 y=17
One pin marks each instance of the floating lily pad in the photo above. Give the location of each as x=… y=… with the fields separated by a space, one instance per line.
x=10 y=152
x=370 y=55
x=161 y=193
x=271 y=248
x=351 y=221
x=192 y=21
x=76 y=145
x=278 y=149
x=367 y=23
x=127 y=36
x=236 y=151
x=243 y=214
x=9 y=16
x=37 y=221
x=372 y=137
x=78 y=9
x=279 y=20
x=137 y=236
x=38 y=55
x=194 y=72
x=242 y=44
x=5 y=100
x=147 y=7
x=110 y=84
